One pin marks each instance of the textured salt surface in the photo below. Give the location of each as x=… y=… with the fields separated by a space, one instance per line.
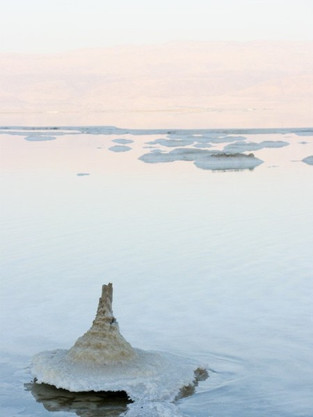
x=172 y=142
x=229 y=162
x=198 y=140
x=149 y=376
x=102 y=360
x=103 y=343
x=215 y=139
x=178 y=154
x=204 y=159
x=252 y=146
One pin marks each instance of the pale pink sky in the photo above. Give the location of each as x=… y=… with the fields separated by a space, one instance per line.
x=165 y=63
x=59 y=25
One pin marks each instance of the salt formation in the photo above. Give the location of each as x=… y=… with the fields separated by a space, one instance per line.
x=102 y=343
x=229 y=161
x=204 y=159
x=253 y=146
x=102 y=360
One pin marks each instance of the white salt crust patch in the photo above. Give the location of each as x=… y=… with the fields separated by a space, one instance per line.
x=150 y=376
x=253 y=146
x=204 y=159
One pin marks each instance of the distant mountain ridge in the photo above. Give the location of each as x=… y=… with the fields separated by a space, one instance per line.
x=183 y=84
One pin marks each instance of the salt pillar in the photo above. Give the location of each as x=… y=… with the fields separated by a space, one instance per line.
x=102 y=343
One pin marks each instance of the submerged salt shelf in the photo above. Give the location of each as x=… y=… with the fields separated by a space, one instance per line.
x=308 y=160
x=102 y=360
x=123 y=141
x=40 y=138
x=120 y=148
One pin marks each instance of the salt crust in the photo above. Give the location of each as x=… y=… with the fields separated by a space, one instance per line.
x=205 y=159
x=229 y=162
x=150 y=376
x=253 y=146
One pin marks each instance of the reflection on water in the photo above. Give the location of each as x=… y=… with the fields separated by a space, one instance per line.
x=84 y=404
x=221 y=264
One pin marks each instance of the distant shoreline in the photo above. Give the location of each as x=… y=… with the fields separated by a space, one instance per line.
x=112 y=130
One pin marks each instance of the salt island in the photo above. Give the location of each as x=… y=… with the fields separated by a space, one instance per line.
x=102 y=360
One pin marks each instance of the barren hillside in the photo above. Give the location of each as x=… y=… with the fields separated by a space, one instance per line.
x=194 y=84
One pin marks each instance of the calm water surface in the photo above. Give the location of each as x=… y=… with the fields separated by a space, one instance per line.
x=213 y=265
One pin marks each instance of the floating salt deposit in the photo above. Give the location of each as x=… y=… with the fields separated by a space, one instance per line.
x=102 y=360
x=120 y=148
x=253 y=146
x=308 y=160
x=39 y=138
x=228 y=161
x=205 y=159
x=123 y=141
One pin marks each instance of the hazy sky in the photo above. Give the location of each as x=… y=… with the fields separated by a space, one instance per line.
x=58 y=25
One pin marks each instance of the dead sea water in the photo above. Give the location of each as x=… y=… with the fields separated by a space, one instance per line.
x=209 y=261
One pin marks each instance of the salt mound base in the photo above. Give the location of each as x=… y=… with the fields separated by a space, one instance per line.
x=102 y=360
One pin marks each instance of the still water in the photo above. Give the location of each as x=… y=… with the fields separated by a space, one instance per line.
x=215 y=265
